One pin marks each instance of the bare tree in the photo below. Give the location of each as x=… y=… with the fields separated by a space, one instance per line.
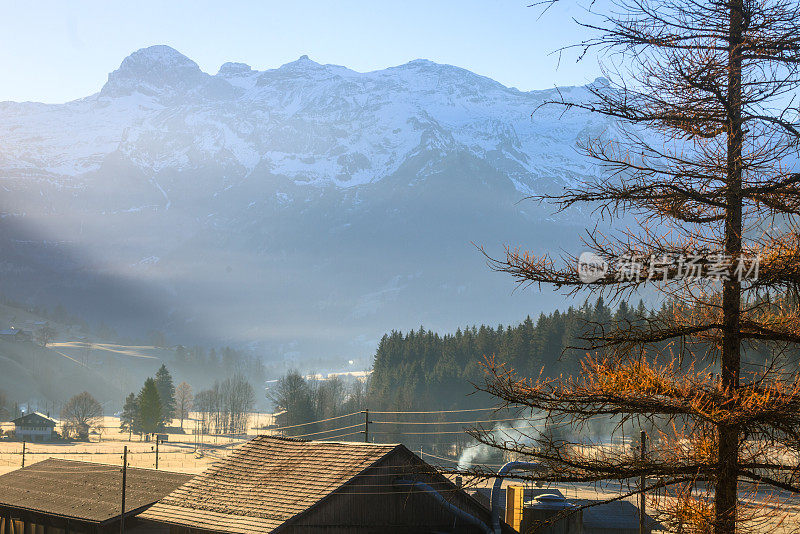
x=704 y=160
x=46 y=334
x=329 y=397
x=203 y=404
x=226 y=406
x=292 y=395
x=183 y=400
x=238 y=399
x=80 y=414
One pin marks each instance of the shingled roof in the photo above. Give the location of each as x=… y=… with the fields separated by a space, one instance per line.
x=266 y=482
x=84 y=491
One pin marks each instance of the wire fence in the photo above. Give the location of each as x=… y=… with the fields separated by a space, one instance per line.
x=140 y=454
x=197 y=451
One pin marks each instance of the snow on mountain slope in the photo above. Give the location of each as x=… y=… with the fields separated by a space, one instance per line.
x=307 y=208
x=316 y=124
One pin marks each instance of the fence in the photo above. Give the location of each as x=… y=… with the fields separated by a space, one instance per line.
x=140 y=454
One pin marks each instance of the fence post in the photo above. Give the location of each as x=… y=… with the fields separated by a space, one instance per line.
x=124 y=480
x=366 y=425
x=23 y=453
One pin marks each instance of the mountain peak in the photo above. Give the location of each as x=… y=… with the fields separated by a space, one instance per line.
x=234 y=69
x=154 y=67
x=421 y=62
x=302 y=62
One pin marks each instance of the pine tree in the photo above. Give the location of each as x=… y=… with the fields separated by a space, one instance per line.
x=181 y=354
x=130 y=414
x=151 y=413
x=166 y=392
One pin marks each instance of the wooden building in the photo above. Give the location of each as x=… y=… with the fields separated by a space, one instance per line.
x=69 y=497
x=15 y=335
x=286 y=485
x=34 y=426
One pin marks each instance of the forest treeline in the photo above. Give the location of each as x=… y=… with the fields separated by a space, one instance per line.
x=424 y=370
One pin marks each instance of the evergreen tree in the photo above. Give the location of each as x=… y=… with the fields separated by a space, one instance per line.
x=150 y=413
x=129 y=415
x=166 y=393
x=181 y=354
x=423 y=370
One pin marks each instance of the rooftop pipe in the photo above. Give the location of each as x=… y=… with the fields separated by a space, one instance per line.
x=498 y=483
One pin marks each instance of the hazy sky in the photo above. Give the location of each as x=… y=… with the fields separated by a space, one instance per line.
x=55 y=51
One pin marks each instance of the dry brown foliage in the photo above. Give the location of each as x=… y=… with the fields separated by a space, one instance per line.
x=702 y=159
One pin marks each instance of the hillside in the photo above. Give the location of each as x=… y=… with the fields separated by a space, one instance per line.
x=76 y=360
x=80 y=358
x=302 y=210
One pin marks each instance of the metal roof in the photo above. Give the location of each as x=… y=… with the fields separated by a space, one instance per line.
x=612 y=515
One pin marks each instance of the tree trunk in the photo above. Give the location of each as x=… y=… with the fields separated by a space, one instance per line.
x=728 y=449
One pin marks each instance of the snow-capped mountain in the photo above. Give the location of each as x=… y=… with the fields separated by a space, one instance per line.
x=306 y=201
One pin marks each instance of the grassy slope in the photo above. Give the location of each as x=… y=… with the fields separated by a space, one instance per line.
x=31 y=373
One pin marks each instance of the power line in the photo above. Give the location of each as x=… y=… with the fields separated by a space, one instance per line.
x=445 y=422
x=450 y=431
x=326 y=431
x=331 y=438
x=315 y=422
x=442 y=411
x=438 y=457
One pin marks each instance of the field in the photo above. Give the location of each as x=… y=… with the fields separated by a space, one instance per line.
x=187 y=453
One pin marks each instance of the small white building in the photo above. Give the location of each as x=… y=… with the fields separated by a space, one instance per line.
x=34 y=427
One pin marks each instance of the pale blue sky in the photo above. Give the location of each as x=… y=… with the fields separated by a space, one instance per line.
x=55 y=51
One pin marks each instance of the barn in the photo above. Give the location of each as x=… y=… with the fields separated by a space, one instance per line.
x=285 y=485
x=69 y=497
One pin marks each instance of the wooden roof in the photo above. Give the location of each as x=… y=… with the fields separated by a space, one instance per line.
x=84 y=491
x=264 y=483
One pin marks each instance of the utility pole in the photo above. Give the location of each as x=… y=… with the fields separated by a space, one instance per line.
x=641 y=485
x=124 y=480
x=366 y=425
x=23 y=454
